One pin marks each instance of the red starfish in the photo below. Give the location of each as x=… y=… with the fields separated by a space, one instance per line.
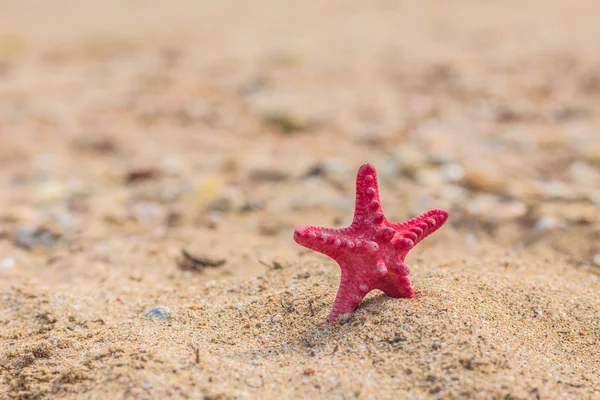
x=371 y=250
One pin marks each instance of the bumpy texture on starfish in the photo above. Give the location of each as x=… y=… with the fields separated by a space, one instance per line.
x=371 y=251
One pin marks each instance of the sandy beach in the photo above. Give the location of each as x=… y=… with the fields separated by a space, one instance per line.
x=155 y=158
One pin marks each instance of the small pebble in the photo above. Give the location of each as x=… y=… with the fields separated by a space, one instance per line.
x=548 y=222
x=160 y=313
x=31 y=237
x=410 y=160
x=592 y=153
x=430 y=177
x=286 y=122
x=453 y=172
x=146 y=211
x=277 y=318
x=22 y=213
x=7 y=263
x=582 y=173
x=50 y=191
x=482 y=181
x=493 y=208
x=470 y=239
x=571 y=212
x=594 y=196
x=231 y=199
x=554 y=189
x=268 y=175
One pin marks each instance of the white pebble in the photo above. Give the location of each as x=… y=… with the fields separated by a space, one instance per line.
x=453 y=172
x=276 y=318
x=7 y=263
x=547 y=222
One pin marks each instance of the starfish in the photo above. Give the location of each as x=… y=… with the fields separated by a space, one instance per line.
x=371 y=251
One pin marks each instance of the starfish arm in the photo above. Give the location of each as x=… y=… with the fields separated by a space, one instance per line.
x=411 y=232
x=335 y=243
x=367 y=207
x=348 y=297
x=395 y=286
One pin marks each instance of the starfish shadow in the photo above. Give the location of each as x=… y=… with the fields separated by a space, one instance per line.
x=375 y=303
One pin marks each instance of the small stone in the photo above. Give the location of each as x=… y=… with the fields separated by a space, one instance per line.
x=191 y=262
x=453 y=193
x=7 y=263
x=146 y=211
x=101 y=144
x=286 y=122
x=159 y=313
x=68 y=222
x=269 y=227
x=494 y=208
x=482 y=181
x=277 y=318
x=592 y=153
x=50 y=191
x=171 y=165
x=31 y=237
x=594 y=196
x=397 y=339
x=597 y=259
x=410 y=160
x=582 y=173
x=431 y=177
x=452 y=172
x=515 y=210
x=303 y=275
x=548 y=222
x=555 y=190
x=251 y=206
x=571 y=212
x=470 y=239
x=524 y=190
x=230 y=200
x=335 y=170
x=267 y=175
x=205 y=192
x=21 y=213
x=141 y=174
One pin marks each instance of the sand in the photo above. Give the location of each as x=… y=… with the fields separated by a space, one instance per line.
x=130 y=131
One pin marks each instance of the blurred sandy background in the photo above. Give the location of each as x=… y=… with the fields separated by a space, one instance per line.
x=157 y=156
